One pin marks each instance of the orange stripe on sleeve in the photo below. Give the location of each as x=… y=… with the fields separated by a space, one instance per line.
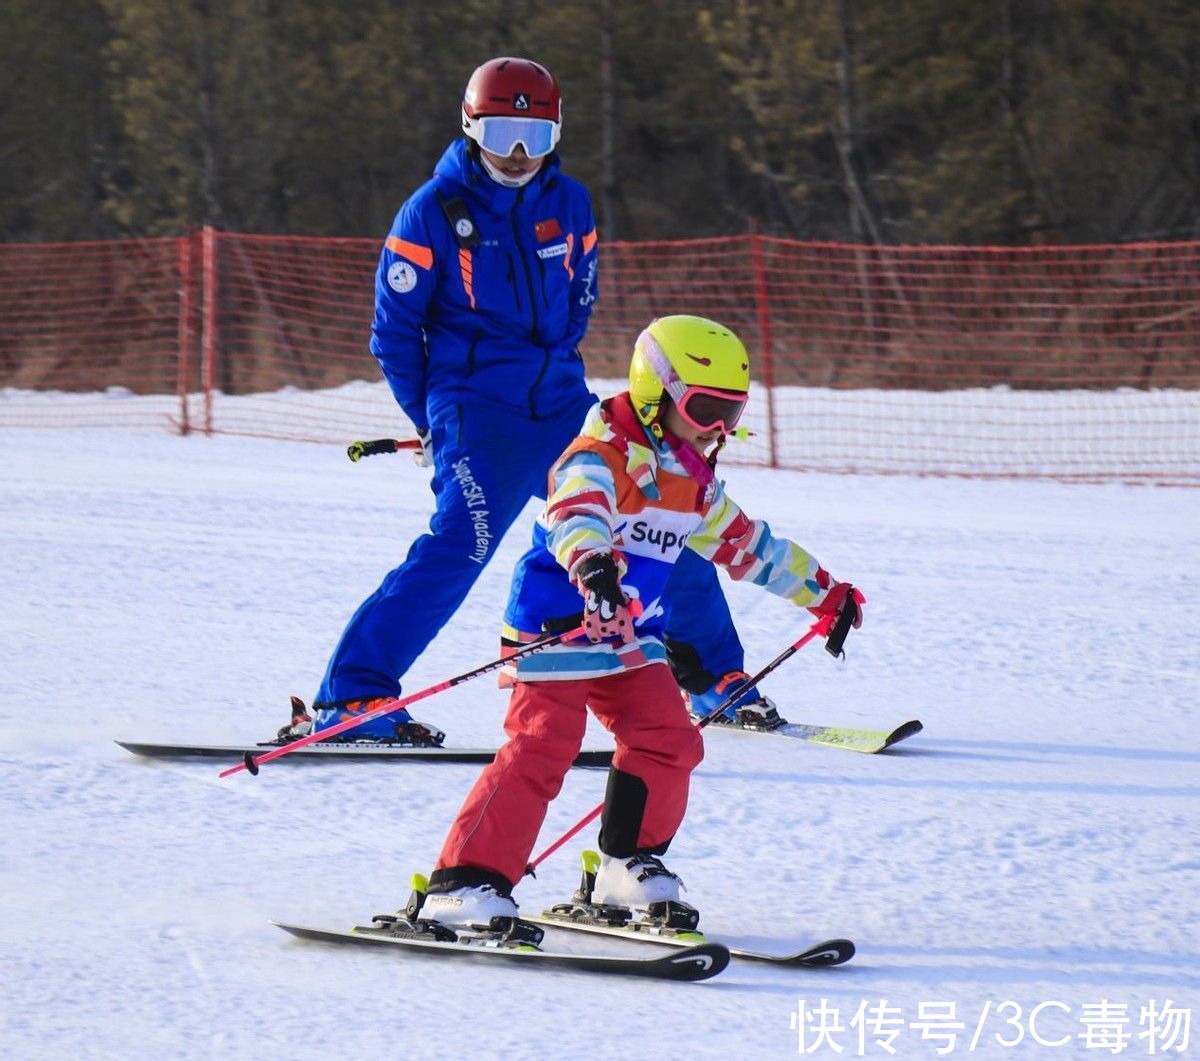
x=465 y=266
x=589 y=241
x=414 y=252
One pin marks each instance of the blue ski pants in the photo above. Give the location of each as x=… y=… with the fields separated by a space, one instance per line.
x=485 y=472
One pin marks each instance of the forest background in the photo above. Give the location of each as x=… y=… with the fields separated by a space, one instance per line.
x=889 y=121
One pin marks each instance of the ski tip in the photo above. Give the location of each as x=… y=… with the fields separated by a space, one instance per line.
x=903 y=732
x=828 y=952
x=699 y=962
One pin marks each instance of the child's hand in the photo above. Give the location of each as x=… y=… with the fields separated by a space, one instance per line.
x=835 y=599
x=607 y=612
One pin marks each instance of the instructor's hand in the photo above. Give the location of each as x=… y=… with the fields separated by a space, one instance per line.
x=423 y=457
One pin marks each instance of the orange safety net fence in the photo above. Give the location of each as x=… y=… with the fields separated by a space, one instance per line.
x=1066 y=362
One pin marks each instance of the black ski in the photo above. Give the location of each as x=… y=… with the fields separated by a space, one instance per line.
x=697 y=962
x=356 y=750
x=827 y=952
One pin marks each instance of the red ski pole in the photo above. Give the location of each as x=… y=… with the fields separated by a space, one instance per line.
x=252 y=762
x=820 y=628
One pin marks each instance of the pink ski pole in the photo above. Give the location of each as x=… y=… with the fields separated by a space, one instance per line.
x=252 y=762
x=820 y=628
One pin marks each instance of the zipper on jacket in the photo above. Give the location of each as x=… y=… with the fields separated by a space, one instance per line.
x=512 y=280
x=512 y=218
x=471 y=356
x=533 y=313
x=545 y=365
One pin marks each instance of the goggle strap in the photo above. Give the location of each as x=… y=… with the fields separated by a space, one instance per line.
x=663 y=368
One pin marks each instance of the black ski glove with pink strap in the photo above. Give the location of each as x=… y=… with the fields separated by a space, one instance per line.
x=607 y=611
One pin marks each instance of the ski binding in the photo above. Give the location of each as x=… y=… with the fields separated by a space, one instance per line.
x=671 y=923
x=509 y=937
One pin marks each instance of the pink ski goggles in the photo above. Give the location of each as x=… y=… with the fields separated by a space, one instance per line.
x=707 y=408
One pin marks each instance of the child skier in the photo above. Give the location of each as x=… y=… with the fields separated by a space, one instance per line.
x=628 y=495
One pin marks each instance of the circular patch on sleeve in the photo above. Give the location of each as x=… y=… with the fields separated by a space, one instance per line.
x=401 y=277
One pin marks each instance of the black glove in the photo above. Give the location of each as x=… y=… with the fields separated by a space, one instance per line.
x=606 y=609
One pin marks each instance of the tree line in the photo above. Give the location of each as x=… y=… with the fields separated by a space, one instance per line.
x=885 y=121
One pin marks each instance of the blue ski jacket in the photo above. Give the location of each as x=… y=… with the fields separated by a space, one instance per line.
x=483 y=292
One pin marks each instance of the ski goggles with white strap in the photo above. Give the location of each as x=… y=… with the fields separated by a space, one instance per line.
x=707 y=408
x=500 y=134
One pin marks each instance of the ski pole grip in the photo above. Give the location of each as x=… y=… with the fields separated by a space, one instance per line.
x=373 y=447
x=846 y=618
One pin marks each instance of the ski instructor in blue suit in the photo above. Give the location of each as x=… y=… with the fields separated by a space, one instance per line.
x=482 y=296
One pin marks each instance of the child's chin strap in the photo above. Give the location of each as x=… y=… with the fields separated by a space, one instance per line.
x=712 y=457
x=660 y=434
x=677 y=446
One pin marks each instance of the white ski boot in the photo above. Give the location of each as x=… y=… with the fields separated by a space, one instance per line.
x=469 y=912
x=467 y=908
x=636 y=893
x=634 y=882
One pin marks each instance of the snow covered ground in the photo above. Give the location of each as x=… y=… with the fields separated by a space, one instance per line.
x=1036 y=849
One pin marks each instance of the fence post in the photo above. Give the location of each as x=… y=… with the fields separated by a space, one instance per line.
x=208 y=325
x=763 y=312
x=184 y=355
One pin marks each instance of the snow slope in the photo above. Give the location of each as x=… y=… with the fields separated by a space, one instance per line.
x=1037 y=844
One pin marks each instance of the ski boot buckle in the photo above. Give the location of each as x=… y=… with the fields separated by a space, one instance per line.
x=672 y=914
x=512 y=931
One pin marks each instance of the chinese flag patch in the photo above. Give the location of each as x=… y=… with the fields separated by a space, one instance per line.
x=547 y=229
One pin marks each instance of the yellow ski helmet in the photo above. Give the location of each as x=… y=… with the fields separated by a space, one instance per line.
x=700 y=364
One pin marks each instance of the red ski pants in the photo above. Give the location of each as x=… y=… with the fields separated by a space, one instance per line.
x=656 y=742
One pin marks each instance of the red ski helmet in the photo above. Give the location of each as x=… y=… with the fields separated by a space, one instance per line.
x=511 y=88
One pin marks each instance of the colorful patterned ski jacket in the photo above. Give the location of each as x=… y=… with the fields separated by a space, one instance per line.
x=618 y=488
x=498 y=323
